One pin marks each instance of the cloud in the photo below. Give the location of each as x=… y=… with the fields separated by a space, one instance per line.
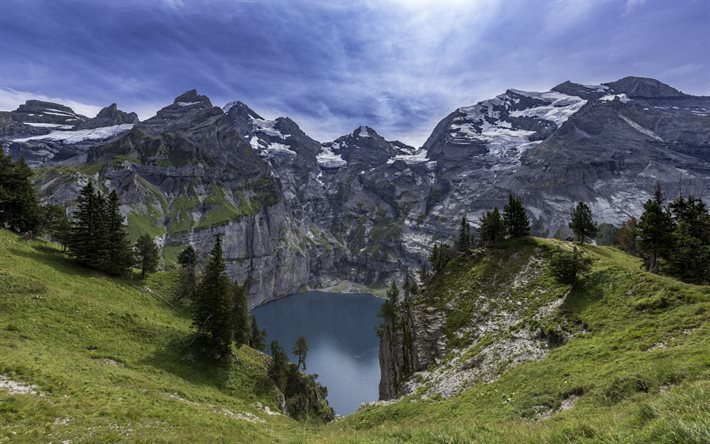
x=631 y=5
x=11 y=99
x=682 y=70
x=397 y=66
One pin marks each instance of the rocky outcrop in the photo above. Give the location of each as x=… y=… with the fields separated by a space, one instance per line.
x=484 y=314
x=109 y=116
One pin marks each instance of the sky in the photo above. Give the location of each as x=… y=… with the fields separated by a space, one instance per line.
x=396 y=66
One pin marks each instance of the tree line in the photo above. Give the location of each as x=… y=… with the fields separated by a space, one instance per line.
x=673 y=237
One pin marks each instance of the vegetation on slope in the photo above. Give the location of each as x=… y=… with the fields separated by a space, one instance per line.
x=105 y=362
x=636 y=369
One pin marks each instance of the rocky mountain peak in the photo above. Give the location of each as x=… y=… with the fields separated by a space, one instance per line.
x=586 y=92
x=644 y=87
x=191 y=99
x=364 y=131
x=240 y=108
x=109 y=116
x=41 y=114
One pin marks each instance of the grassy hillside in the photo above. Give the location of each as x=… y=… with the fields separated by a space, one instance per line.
x=104 y=362
x=636 y=370
x=88 y=358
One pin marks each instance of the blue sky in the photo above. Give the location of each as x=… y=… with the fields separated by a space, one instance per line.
x=397 y=66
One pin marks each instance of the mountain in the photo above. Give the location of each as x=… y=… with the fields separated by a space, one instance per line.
x=296 y=213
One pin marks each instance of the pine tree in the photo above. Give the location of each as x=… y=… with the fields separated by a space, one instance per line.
x=515 y=218
x=99 y=256
x=279 y=366
x=690 y=258
x=389 y=306
x=240 y=314
x=626 y=235
x=146 y=255
x=492 y=227
x=187 y=257
x=582 y=223
x=256 y=336
x=118 y=259
x=211 y=307
x=655 y=232
x=301 y=352
x=82 y=239
x=187 y=283
x=19 y=205
x=56 y=224
x=464 y=241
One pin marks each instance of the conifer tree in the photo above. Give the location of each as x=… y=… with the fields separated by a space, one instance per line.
x=56 y=224
x=655 y=231
x=626 y=235
x=515 y=218
x=690 y=258
x=19 y=205
x=492 y=227
x=188 y=274
x=146 y=255
x=301 y=352
x=464 y=241
x=211 y=307
x=389 y=307
x=256 y=336
x=240 y=314
x=279 y=366
x=582 y=222
x=83 y=236
x=118 y=259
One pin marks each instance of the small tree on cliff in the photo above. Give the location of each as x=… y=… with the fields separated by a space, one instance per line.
x=464 y=241
x=256 y=336
x=492 y=227
x=301 y=352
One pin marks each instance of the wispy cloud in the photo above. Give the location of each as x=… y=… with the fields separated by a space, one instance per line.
x=631 y=5
x=398 y=66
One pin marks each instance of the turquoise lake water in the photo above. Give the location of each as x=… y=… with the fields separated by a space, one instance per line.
x=340 y=330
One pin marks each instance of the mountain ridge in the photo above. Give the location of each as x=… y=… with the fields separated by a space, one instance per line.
x=361 y=208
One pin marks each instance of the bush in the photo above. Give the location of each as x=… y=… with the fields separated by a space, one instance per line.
x=567 y=267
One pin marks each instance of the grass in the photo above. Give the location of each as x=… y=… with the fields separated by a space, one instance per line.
x=629 y=388
x=108 y=359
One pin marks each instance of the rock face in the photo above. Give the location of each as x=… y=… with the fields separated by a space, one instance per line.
x=297 y=214
x=485 y=313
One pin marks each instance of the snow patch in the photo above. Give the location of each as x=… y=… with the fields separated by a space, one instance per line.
x=641 y=129
x=610 y=97
x=69 y=137
x=326 y=158
x=184 y=104
x=48 y=125
x=268 y=127
x=409 y=159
